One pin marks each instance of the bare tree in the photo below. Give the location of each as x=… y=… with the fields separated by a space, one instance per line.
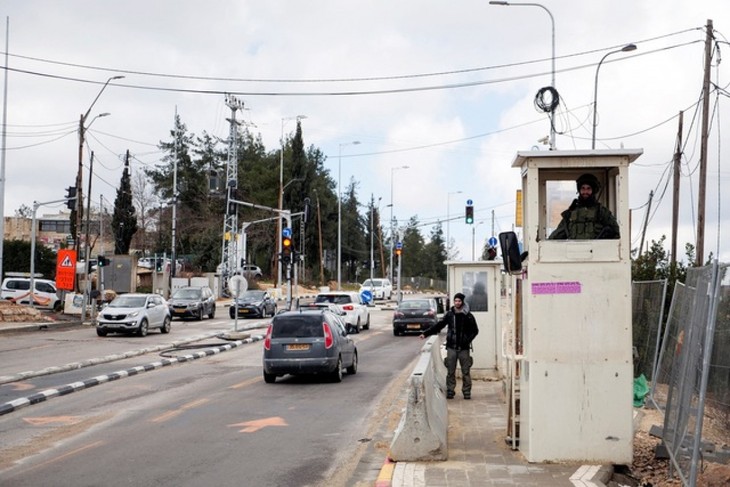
x=146 y=203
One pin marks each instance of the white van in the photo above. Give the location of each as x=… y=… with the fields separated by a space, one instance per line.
x=18 y=289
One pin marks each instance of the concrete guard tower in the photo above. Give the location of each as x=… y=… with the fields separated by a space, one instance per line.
x=572 y=316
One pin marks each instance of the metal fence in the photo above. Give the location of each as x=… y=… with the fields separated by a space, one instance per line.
x=647 y=309
x=692 y=379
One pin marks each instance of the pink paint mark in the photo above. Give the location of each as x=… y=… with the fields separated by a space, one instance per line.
x=572 y=287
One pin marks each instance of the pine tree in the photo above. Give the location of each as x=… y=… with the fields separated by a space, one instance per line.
x=124 y=221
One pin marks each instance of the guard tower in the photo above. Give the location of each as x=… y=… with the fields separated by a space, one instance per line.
x=572 y=316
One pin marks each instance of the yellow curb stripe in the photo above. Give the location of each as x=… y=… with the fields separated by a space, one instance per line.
x=386 y=474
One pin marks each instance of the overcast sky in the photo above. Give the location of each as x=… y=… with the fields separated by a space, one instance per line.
x=444 y=87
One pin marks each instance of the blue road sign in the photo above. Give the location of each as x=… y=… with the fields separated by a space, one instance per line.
x=469 y=202
x=492 y=242
x=399 y=245
x=286 y=232
x=366 y=295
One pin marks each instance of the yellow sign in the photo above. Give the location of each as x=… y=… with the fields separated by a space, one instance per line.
x=518 y=208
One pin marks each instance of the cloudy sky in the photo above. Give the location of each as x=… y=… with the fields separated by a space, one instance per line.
x=443 y=87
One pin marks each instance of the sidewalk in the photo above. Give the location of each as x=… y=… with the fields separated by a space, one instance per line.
x=479 y=456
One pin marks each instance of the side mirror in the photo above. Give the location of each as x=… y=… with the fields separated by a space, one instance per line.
x=511 y=258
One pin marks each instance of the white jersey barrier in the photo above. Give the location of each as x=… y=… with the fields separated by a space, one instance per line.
x=422 y=432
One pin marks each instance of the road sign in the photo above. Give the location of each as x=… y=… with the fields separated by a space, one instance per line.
x=286 y=232
x=492 y=241
x=237 y=285
x=469 y=202
x=366 y=295
x=65 y=269
x=399 y=245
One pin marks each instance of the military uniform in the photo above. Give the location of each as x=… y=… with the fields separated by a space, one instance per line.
x=586 y=218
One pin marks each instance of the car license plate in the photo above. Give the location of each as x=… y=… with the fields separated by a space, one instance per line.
x=243 y=311
x=414 y=327
x=298 y=346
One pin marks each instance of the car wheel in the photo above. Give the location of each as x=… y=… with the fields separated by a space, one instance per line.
x=166 y=325
x=263 y=311
x=273 y=311
x=352 y=369
x=232 y=312
x=336 y=375
x=357 y=325
x=143 y=328
x=269 y=378
x=396 y=332
x=199 y=316
x=367 y=324
x=101 y=332
x=211 y=315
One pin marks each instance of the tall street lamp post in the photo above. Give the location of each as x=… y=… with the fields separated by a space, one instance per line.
x=339 y=213
x=392 y=226
x=281 y=196
x=552 y=23
x=79 y=174
x=626 y=48
x=372 y=236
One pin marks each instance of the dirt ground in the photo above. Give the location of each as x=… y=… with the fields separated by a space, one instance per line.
x=655 y=473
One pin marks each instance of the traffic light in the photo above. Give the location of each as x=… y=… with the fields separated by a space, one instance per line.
x=158 y=264
x=398 y=252
x=469 y=214
x=286 y=250
x=71 y=197
x=102 y=261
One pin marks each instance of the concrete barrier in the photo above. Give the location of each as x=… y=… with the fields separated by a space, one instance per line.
x=422 y=432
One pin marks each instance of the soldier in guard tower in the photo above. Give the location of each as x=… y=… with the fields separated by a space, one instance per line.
x=586 y=218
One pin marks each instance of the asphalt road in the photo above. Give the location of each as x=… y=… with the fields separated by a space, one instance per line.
x=209 y=421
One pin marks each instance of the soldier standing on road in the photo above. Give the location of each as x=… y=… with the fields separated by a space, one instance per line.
x=461 y=331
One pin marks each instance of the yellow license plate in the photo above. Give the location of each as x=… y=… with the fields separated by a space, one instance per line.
x=243 y=311
x=298 y=346
x=414 y=327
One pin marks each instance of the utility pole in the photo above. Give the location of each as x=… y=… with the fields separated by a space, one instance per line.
x=230 y=223
x=701 y=194
x=646 y=221
x=675 y=194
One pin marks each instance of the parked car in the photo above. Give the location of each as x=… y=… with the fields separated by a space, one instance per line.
x=134 y=313
x=414 y=315
x=17 y=289
x=381 y=288
x=308 y=342
x=253 y=303
x=357 y=315
x=192 y=301
x=252 y=272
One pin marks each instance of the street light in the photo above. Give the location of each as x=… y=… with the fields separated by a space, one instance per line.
x=626 y=48
x=552 y=23
x=448 y=219
x=339 y=213
x=281 y=193
x=372 y=236
x=392 y=232
x=79 y=174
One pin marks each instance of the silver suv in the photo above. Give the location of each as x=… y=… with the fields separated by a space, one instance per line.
x=134 y=313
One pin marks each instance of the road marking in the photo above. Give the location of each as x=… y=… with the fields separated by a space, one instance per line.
x=41 y=421
x=257 y=424
x=583 y=477
x=176 y=412
x=245 y=383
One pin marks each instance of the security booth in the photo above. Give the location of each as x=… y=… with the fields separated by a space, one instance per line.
x=572 y=396
x=480 y=282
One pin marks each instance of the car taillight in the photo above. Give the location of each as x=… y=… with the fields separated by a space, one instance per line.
x=267 y=340
x=328 y=338
x=348 y=307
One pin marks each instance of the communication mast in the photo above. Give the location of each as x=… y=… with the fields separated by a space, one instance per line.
x=229 y=262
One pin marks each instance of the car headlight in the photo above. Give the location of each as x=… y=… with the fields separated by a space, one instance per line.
x=134 y=314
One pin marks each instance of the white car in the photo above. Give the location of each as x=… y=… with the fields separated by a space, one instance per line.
x=17 y=289
x=356 y=313
x=134 y=313
x=381 y=288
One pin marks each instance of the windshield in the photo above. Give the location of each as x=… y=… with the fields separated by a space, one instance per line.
x=253 y=295
x=415 y=304
x=187 y=294
x=333 y=298
x=128 y=302
x=372 y=283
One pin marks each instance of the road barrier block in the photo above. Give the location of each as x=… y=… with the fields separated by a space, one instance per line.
x=422 y=432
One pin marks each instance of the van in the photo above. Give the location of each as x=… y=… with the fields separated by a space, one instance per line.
x=17 y=289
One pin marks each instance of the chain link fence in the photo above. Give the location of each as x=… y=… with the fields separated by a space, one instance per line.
x=647 y=309
x=692 y=378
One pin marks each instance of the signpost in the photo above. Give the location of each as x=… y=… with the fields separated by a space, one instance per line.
x=65 y=269
x=237 y=285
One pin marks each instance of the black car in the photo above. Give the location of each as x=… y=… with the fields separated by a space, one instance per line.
x=414 y=315
x=253 y=303
x=192 y=302
x=308 y=342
